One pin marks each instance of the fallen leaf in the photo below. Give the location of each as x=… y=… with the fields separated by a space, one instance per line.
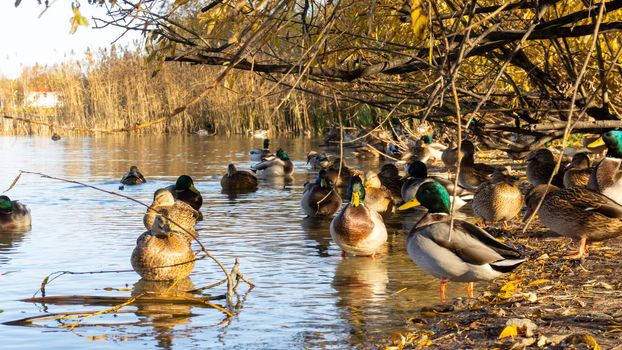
x=509 y=331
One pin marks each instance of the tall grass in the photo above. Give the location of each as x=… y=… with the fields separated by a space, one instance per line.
x=116 y=89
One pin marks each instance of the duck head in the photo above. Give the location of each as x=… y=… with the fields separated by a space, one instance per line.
x=163 y=197
x=185 y=183
x=431 y=195
x=580 y=161
x=467 y=147
x=358 y=191
x=231 y=170
x=389 y=170
x=282 y=155
x=417 y=170
x=613 y=140
x=160 y=227
x=322 y=179
x=6 y=206
x=543 y=155
x=266 y=143
x=427 y=139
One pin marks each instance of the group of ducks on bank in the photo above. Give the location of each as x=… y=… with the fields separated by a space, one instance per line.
x=583 y=203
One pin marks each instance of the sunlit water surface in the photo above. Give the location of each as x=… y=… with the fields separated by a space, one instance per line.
x=306 y=295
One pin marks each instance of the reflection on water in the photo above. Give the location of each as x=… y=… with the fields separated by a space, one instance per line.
x=306 y=294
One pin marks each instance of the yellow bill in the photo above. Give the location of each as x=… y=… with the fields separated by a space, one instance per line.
x=597 y=143
x=356 y=199
x=410 y=204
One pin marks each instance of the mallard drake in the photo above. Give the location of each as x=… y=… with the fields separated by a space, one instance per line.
x=341 y=178
x=417 y=175
x=578 y=213
x=377 y=196
x=238 y=180
x=317 y=160
x=261 y=154
x=184 y=190
x=472 y=174
x=13 y=215
x=390 y=178
x=435 y=148
x=540 y=166
x=469 y=254
x=319 y=198
x=357 y=229
x=162 y=253
x=606 y=177
x=277 y=166
x=577 y=173
x=181 y=213
x=499 y=199
x=133 y=177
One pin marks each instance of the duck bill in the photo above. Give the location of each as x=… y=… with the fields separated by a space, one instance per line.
x=356 y=199
x=193 y=189
x=599 y=142
x=410 y=204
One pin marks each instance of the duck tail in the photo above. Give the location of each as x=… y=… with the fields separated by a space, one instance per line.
x=507 y=265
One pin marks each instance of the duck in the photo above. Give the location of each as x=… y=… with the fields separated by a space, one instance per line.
x=377 y=196
x=435 y=148
x=340 y=174
x=472 y=174
x=179 y=212
x=578 y=213
x=469 y=254
x=577 y=173
x=606 y=177
x=319 y=199
x=133 y=177
x=162 y=253
x=499 y=199
x=357 y=229
x=417 y=175
x=238 y=180
x=450 y=157
x=14 y=215
x=390 y=178
x=317 y=160
x=540 y=166
x=277 y=166
x=261 y=154
x=184 y=190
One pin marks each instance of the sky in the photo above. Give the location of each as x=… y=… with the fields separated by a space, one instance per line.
x=26 y=39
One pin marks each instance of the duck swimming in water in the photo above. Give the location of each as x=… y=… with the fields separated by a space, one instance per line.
x=181 y=213
x=320 y=198
x=261 y=154
x=277 y=166
x=13 y=215
x=184 y=190
x=238 y=180
x=133 y=177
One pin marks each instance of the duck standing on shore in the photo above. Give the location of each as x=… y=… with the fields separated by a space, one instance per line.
x=499 y=199
x=606 y=177
x=467 y=254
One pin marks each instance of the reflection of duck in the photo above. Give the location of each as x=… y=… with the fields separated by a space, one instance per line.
x=319 y=198
x=606 y=178
x=164 y=317
x=14 y=215
x=318 y=231
x=360 y=281
x=180 y=212
x=162 y=253
x=238 y=180
x=470 y=254
x=356 y=229
x=133 y=177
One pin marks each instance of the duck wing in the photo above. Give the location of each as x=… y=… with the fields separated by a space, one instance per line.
x=591 y=201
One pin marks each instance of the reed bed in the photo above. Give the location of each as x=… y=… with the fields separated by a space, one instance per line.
x=116 y=89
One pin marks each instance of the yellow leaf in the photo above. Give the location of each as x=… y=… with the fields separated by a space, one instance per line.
x=509 y=331
x=590 y=341
x=537 y=282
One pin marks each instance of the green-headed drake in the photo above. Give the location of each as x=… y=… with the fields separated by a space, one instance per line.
x=276 y=166
x=472 y=174
x=162 y=253
x=184 y=190
x=469 y=254
x=133 y=177
x=317 y=160
x=357 y=229
x=181 y=213
x=261 y=154
x=13 y=215
x=418 y=174
x=238 y=180
x=320 y=198
x=499 y=199
x=578 y=213
x=606 y=177
x=577 y=173
x=540 y=165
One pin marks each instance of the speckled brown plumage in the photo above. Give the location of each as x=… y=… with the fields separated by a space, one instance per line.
x=180 y=212
x=499 y=199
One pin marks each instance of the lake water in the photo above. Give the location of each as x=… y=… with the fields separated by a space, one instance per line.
x=306 y=295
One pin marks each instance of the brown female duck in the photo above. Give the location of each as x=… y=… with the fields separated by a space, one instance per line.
x=319 y=198
x=181 y=213
x=577 y=173
x=238 y=180
x=540 y=166
x=499 y=199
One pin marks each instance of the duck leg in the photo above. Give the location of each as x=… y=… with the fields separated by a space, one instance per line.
x=443 y=288
x=581 y=252
x=470 y=289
